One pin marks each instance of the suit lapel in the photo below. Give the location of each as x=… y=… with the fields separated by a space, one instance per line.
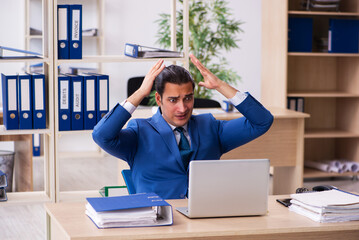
x=166 y=133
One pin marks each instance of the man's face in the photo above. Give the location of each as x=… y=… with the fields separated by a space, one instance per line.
x=176 y=103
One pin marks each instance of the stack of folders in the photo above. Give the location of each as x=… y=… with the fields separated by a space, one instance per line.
x=69 y=25
x=136 y=210
x=24 y=104
x=326 y=206
x=83 y=100
x=3 y=185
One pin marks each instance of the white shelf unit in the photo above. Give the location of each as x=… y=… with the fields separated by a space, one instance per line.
x=48 y=193
x=100 y=59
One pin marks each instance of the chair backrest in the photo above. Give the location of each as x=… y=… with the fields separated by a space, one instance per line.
x=206 y=103
x=127 y=176
x=135 y=83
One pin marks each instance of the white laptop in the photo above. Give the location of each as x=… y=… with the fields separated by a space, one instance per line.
x=223 y=188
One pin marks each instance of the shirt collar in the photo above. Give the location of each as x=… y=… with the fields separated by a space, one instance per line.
x=184 y=127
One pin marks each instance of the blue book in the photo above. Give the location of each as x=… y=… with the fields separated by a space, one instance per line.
x=64 y=95
x=63 y=31
x=75 y=31
x=36 y=145
x=343 y=36
x=77 y=119
x=300 y=34
x=10 y=101
x=120 y=207
x=39 y=101
x=90 y=89
x=25 y=101
x=102 y=95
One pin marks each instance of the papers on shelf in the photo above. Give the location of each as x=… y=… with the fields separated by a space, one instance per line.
x=134 y=210
x=326 y=206
x=333 y=166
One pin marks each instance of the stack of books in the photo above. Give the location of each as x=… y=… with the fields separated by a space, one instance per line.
x=327 y=206
x=136 y=210
x=3 y=185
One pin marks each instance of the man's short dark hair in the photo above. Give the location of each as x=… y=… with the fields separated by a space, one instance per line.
x=172 y=74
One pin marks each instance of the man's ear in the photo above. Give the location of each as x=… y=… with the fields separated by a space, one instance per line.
x=158 y=99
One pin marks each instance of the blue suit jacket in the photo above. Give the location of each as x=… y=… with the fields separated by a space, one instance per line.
x=150 y=148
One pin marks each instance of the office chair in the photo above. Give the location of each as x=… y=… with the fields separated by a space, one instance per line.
x=134 y=83
x=127 y=176
x=206 y=103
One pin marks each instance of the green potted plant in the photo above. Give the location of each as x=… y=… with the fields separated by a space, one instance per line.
x=212 y=29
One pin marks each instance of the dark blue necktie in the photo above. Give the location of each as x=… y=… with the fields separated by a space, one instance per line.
x=184 y=147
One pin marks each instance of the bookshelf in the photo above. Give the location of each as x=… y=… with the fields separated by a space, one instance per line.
x=48 y=192
x=100 y=59
x=329 y=82
x=51 y=136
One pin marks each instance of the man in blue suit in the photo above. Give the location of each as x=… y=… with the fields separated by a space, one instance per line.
x=159 y=149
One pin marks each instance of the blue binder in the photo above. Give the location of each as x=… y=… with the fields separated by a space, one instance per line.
x=64 y=102
x=102 y=205
x=63 y=30
x=75 y=31
x=36 y=145
x=139 y=51
x=90 y=118
x=102 y=95
x=39 y=101
x=9 y=99
x=300 y=34
x=25 y=101
x=77 y=119
x=343 y=36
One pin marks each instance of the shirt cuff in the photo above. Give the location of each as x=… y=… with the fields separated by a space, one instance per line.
x=128 y=106
x=238 y=98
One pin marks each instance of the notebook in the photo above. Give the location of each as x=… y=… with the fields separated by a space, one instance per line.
x=224 y=188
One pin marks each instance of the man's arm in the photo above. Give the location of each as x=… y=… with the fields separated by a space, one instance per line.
x=108 y=133
x=256 y=121
x=211 y=81
x=147 y=84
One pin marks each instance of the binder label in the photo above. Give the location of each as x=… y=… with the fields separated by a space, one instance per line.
x=62 y=23
x=64 y=88
x=103 y=95
x=76 y=25
x=11 y=97
x=37 y=140
x=39 y=91
x=25 y=95
x=90 y=93
x=77 y=97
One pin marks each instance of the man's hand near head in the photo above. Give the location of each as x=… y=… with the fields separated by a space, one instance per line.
x=146 y=86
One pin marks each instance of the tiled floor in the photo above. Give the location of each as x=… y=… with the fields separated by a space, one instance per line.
x=28 y=221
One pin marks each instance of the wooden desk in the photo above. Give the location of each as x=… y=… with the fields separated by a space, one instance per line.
x=283 y=144
x=68 y=221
